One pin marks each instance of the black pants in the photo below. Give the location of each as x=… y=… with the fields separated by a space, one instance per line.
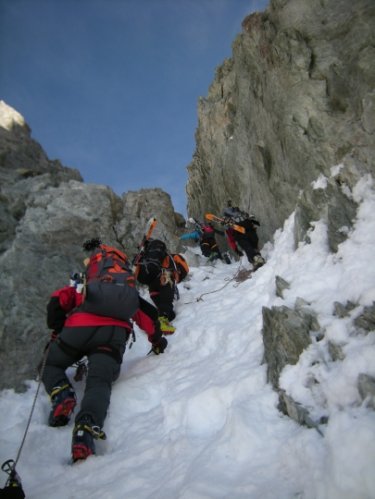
x=210 y=247
x=163 y=297
x=12 y=493
x=103 y=365
x=248 y=243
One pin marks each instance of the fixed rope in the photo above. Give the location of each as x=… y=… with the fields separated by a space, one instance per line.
x=228 y=281
x=11 y=468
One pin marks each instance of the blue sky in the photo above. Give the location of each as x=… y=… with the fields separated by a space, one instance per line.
x=111 y=87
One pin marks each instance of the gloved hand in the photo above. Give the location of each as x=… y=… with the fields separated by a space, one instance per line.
x=160 y=346
x=54 y=335
x=158 y=334
x=238 y=252
x=254 y=220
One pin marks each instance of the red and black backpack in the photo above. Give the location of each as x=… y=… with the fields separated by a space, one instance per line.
x=110 y=285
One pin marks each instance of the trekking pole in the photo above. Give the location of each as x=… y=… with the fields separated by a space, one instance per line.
x=10 y=466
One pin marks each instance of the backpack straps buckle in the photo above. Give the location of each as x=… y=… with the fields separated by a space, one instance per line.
x=166 y=277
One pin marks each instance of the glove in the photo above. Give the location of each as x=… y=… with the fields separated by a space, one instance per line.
x=254 y=220
x=160 y=346
x=157 y=335
x=54 y=335
x=238 y=252
x=77 y=281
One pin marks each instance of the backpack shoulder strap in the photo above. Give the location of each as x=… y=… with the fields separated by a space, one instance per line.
x=114 y=251
x=106 y=258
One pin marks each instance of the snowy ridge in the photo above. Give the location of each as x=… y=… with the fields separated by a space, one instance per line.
x=200 y=421
x=10 y=117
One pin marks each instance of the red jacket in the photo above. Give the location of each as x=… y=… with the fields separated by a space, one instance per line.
x=230 y=238
x=69 y=300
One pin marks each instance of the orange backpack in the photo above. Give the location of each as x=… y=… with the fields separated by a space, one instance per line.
x=181 y=267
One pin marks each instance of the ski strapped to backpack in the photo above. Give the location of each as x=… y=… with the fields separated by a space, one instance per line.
x=110 y=285
x=151 y=224
x=225 y=221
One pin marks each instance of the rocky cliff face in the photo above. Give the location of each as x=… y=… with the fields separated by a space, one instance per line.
x=288 y=125
x=46 y=212
x=296 y=98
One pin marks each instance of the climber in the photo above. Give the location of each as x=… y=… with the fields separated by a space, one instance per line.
x=205 y=235
x=12 y=492
x=248 y=242
x=161 y=271
x=97 y=323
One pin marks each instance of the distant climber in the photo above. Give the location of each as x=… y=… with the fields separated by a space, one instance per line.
x=248 y=242
x=204 y=234
x=161 y=271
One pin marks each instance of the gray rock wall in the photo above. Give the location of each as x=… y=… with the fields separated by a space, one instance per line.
x=46 y=213
x=296 y=98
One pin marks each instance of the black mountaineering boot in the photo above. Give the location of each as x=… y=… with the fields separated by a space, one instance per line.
x=258 y=261
x=84 y=433
x=63 y=401
x=226 y=258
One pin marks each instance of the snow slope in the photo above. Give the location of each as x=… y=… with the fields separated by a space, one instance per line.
x=200 y=421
